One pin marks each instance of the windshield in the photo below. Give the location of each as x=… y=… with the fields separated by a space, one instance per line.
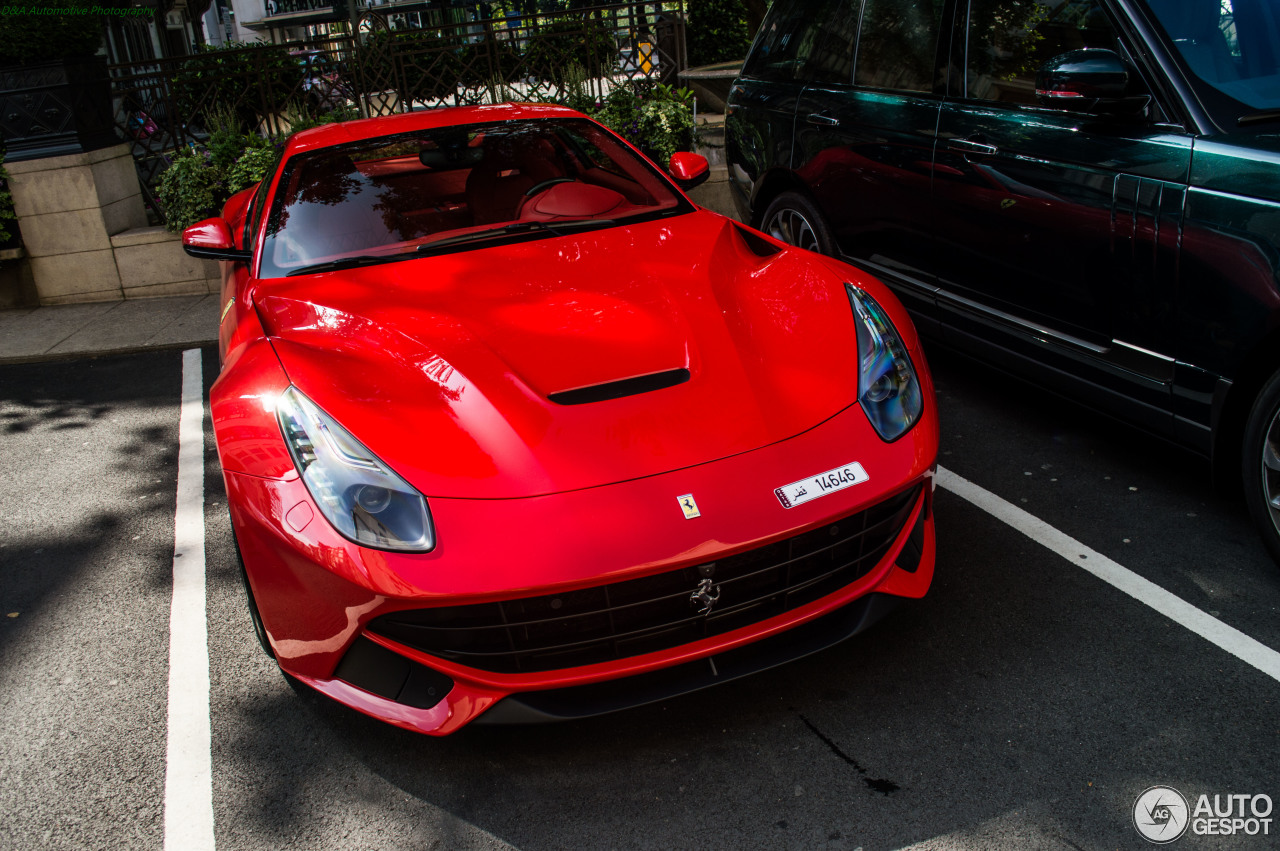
x=454 y=188
x=1231 y=47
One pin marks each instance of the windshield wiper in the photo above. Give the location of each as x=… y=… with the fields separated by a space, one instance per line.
x=516 y=229
x=345 y=263
x=1265 y=116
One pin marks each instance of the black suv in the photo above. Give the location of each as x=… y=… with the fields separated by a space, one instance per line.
x=1081 y=191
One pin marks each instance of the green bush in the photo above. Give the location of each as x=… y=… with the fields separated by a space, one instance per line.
x=717 y=31
x=236 y=78
x=191 y=189
x=226 y=142
x=45 y=37
x=252 y=167
x=198 y=183
x=658 y=120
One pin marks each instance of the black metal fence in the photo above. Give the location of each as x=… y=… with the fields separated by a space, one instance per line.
x=169 y=104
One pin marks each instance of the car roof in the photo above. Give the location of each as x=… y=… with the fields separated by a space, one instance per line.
x=427 y=119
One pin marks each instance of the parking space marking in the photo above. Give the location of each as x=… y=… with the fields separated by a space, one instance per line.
x=1230 y=639
x=188 y=782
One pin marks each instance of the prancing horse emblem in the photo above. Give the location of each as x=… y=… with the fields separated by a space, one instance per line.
x=689 y=506
x=705 y=596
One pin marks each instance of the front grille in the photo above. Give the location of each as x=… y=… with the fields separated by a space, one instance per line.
x=657 y=612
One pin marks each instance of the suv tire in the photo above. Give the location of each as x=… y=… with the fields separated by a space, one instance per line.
x=795 y=220
x=1260 y=466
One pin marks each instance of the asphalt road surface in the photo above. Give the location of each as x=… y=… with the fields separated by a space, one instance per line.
x=1024 y=704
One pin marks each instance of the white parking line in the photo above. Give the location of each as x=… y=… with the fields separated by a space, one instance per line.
x=1175 y=608
x=188 y=782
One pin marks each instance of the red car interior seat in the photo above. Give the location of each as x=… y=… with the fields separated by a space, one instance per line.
x=510 y=168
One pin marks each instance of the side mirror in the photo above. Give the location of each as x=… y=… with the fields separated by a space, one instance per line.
x=211 y=240
x=1090 y=80
x=689 y=170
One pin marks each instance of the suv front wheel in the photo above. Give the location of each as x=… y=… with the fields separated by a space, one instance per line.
x=1261 y=464
x=793 y=219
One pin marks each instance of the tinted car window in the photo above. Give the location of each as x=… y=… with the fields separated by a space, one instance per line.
x=805 y=41
x=831 y=58
x=391 y=196
x=897 y=44
x=1232 y=46
x=1010 y=39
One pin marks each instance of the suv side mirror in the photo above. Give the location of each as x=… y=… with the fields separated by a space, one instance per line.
x=689 y=169
x=211 y=240
x=1090 y=80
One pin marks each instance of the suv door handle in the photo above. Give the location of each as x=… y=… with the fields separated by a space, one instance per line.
x=823 y=120
x=965 y=146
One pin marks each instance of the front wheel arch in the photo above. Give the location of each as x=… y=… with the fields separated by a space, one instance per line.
x=1232 y=415
x=792 y=217
x=769 y=187
x=259 y=629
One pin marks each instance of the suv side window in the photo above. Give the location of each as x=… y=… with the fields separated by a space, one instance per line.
x=1010 y=39
x=897 y=44
x=831 y=60
x=807 y=41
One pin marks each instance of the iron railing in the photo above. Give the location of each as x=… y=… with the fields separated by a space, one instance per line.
x=165 y=105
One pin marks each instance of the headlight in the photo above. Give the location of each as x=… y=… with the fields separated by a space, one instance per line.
x=356 y=492
x=888 y=389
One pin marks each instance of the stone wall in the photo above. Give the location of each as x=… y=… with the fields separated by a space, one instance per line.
x=85 y=231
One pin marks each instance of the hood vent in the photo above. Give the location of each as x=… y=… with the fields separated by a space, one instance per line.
x=759 y=246
x=618 y=389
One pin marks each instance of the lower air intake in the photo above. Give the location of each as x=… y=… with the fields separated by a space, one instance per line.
x=637 y=616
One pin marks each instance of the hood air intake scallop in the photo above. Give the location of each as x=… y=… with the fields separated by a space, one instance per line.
x=618 y=389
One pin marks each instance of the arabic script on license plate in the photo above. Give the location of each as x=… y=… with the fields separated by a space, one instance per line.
x=812 y=487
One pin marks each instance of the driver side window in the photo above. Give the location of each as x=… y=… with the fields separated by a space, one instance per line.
x=1010 y=39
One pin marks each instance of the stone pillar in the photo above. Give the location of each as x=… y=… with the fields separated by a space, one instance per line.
x=151 y=263
x=68 y=208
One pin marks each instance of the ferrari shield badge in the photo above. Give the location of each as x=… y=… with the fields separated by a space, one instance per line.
x=689 y=506
x=812 y=487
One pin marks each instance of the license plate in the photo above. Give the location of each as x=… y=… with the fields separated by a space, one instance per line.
x=812 y=487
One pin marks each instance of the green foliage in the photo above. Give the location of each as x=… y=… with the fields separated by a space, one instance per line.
x=47 y=36
x=717 y=31
x=226 y=142
x=190 y=190
x=252 y=167
x=658 y=120
x=565 y=42
x=574 y=93
x=227 y=80
x=420 y=64
x=477 y=61
x=1012 y=38
x=198 y=183
x=307 y=120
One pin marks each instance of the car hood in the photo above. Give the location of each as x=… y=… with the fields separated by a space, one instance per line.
x=445 y=366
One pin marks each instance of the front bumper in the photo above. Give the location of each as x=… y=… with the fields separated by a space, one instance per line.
x=320 y=595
